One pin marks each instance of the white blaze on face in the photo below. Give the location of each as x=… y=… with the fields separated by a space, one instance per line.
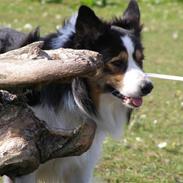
x=134 y=76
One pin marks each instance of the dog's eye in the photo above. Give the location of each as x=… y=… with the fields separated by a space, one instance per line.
x=120 y=65
x=117 y=63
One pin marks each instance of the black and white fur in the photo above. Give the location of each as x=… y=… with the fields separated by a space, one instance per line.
x=120 y=83
x=11 y=39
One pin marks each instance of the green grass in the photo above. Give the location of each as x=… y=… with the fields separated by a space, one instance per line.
x=136 y=158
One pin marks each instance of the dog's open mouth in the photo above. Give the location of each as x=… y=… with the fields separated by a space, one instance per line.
x=134 y=102
x=129 y=101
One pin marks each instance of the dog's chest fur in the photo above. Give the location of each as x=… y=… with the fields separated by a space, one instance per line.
x=112 y=117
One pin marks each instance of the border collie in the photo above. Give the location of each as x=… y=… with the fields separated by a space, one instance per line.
x=109 y=100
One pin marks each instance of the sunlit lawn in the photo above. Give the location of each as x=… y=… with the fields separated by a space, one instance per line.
x=151 y=150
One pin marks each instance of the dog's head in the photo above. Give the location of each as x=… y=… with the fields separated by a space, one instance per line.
x=119 y=42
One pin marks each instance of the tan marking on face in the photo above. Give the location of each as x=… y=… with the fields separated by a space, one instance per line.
x=139 y=55
x=96 y=89
x=123 y=56
x=112 y=65
x=115 y=80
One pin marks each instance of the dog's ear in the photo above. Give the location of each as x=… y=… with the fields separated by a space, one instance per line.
x=31 y=37
x=88 y=23
x=35 y=34
x=131 y=16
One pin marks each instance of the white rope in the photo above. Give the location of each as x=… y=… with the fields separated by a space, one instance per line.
x=167 y=77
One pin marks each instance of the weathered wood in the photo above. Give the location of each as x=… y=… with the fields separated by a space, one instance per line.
x=30 y=65
x=26 y=142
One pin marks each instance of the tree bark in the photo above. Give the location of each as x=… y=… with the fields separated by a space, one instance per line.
x=25 y=141
x=30 y=65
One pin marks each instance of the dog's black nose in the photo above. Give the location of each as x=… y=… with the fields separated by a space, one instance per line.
x=146 y=87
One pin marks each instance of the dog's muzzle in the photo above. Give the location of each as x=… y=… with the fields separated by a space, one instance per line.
x=132 y=102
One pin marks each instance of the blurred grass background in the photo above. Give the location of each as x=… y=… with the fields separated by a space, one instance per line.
x=151 y=150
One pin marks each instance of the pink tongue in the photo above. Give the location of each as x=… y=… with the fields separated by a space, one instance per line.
x=136 y=101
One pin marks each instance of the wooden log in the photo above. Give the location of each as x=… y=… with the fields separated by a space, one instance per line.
x=30 y=65
x=26 y=141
